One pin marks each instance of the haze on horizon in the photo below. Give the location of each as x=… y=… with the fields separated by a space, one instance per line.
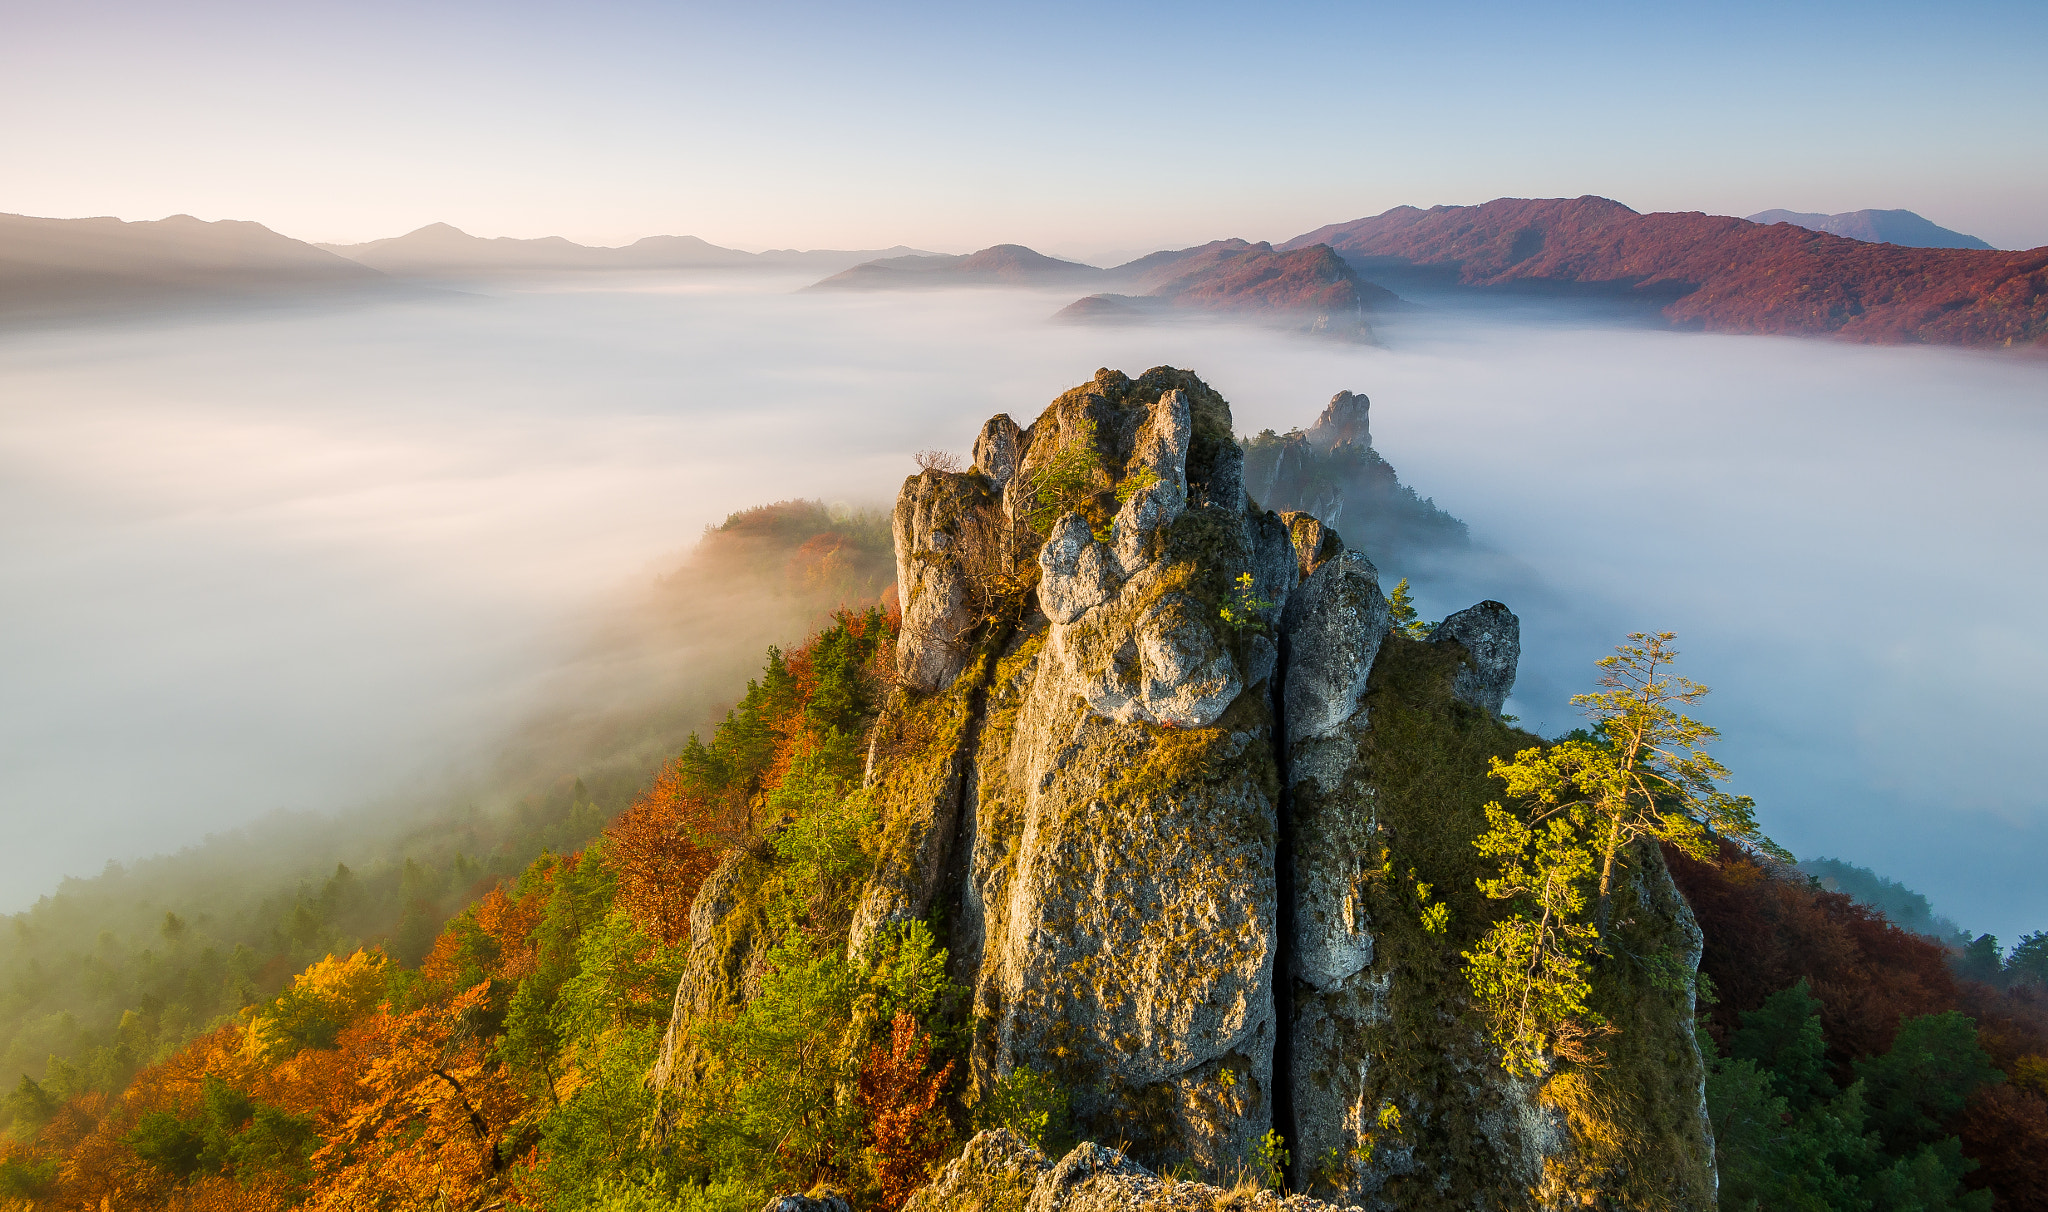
x=1080 y=130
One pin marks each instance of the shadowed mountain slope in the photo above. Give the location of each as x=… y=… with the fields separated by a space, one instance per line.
x=1312 y=285
x=1709 y=272
x=1901 y=227
x=996 y=265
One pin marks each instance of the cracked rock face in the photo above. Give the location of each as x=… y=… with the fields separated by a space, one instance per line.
x=1124 y=635
x=1334 y=625
x=1123 y=859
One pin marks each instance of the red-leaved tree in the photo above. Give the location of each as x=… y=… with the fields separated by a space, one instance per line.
x=907 y=1129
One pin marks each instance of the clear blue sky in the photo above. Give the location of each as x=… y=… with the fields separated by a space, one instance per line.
x=1071 y=127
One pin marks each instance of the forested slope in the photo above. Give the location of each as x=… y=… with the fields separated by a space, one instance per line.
x=1710 y=272
x=117 y=971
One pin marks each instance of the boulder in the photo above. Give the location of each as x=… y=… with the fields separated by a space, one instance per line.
x=996 y=450
x=822 y=1201
x=998 y=1170
x=1491 y=636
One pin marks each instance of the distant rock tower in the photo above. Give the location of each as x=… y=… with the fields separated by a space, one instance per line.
x=1347 y=419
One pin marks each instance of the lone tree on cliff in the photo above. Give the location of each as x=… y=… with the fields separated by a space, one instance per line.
x=1642 y=773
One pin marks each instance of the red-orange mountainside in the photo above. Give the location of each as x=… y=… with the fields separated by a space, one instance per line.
x=1232 y=275
x=1720 y=274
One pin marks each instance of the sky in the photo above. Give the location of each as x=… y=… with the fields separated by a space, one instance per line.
x=1092 y=130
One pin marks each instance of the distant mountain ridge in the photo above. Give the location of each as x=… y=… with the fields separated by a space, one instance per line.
x=1312 y=285
x=1709 y=272
x=996 y=265
x=1901 y=227
x=439 y=249
x=60 y=266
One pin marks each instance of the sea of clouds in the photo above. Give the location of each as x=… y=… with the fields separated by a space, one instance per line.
x=309 y=559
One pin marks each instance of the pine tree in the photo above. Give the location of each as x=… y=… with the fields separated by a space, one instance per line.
x=1406 y=621
x=1640 y=774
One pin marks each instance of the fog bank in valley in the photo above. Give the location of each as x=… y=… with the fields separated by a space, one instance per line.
x=321 y=559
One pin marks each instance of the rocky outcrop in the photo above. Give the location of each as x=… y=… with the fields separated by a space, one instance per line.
x=1347 y=418
x=1331 y=472
x=936 y=523
x=995 y=450
x=1117 y=922
x=998 y=1170
x=719 y=970
x=1334 y=627
x=1491 y=636
x=1197 y=825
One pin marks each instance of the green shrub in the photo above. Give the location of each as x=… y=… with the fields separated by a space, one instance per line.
x=1030 y=1104
x=1067 y=480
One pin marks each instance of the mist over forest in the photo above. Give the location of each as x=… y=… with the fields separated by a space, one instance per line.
x=313 y=561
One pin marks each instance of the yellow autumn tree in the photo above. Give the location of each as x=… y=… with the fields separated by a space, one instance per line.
x=319 y=1002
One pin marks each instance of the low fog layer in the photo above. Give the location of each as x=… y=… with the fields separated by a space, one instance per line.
x=313 y=561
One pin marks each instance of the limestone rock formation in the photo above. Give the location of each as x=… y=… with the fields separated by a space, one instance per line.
x=1196 y=827
x=1134 y=769
x=935 y=528
x=997 y=1170
x=1347 y=418
x=1330 y=471
x=995 y=450
x=1492 y=639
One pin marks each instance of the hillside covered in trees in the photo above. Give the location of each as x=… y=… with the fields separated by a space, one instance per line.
x=1709 y=272
x=870 y=913
x=115 y=972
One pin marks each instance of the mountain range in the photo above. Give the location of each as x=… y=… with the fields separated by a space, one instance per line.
x=69 y=266
x=439 y=250
x=1901 y=227
x=1707 y=272
x=1312 y=285
x=1691 y=270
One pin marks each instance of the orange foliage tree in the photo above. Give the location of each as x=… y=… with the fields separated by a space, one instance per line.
x=898 y=1096
x=662 y=849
